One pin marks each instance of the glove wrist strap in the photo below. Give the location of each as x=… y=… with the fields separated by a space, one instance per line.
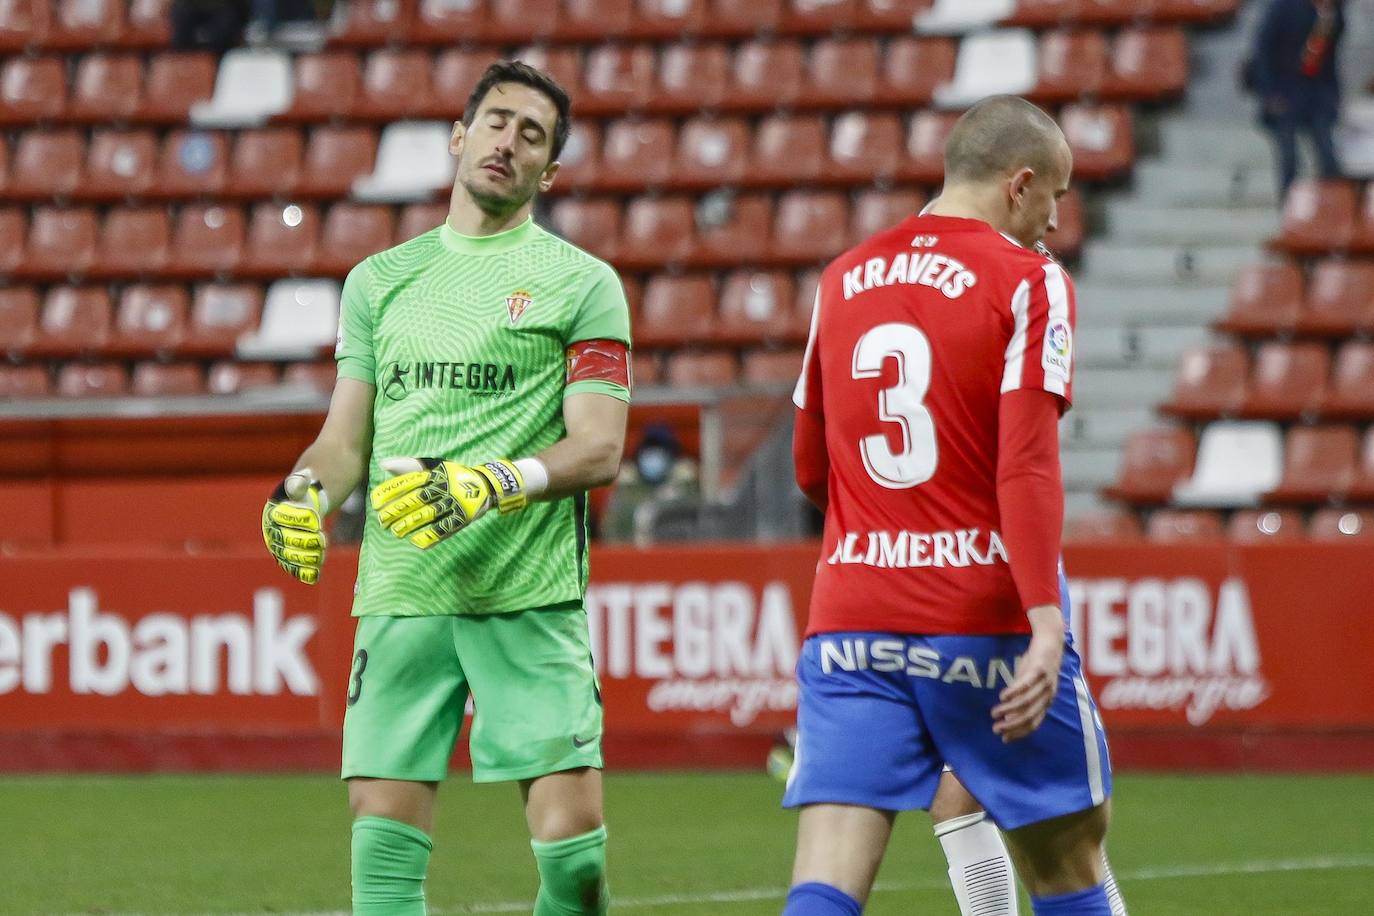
x=507 y=485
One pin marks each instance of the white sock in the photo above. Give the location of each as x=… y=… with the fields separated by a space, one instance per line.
x=1113 y=892
x=979 y=869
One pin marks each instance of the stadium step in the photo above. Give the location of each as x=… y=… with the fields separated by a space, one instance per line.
x=1168 y=181
x=1103 y=305
x=1083 y=502
x=1087 y=467
x=1138 y=263
x=1145 y=220
x=1190 y=139
x=1101 y=427
x=1140 y=389
x=1127 y=346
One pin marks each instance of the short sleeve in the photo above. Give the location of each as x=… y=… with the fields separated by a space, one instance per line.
x=807 y=394
x=602 y=312
x=353 y=346
x=1040 y=351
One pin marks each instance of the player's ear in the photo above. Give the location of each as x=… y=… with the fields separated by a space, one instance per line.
x=1016 y=187
x=546 y=179
x=455 y=139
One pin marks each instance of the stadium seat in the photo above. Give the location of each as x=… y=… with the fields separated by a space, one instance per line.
x=1066 y=239
x=336 y=157
x=299 y=321
x=1266 y=300
x=396 y=84
x=1152 y=463
x=1072 y=64
x=148 y=25
x=228 y=377
x=1237 y=461
x=1043 y=14
x=175 y=82
x=19 y=383
x=352 y=232
x=251 y=86
x=593 y=225
x=282 y=241
x=1351 y=395
x=208 y=240
x=712 y=369
x=4 y=164
x=807 y=283
x=1340 y=299
x=75 y=321
x=265 y=163
x=618 y=79
x=13 y=230
x=82 y=25
x=61 y=243
x=744 y=19
x=120 y=165
x=456 y=72
x=1002 y=61
x=810 y=226
x=645 y=371
x=1318 y=216
x=156 y=380
x=637 y=154
x=193 y=163
x=413 y=162
x=580 y=160
x=18 y=318
x=1334 y=525
x=911 y=69
x=676 y=311
x=134 y=242
x=1318 y=464
x=955 y=17
x=149 y=320
x=1193 y=10
x=22 y=24
x=840 y=73
x=1099 y=527
x=875 y=211
x=563 y=64
x=326 y=86
x=320 y=376
x=864 y=148
x=220 y=314
x=766 y=75
x=1101 y=138
x=1147 y=63
x=732 y=230
x=772 y=368
x=711 y=152
x=108 y=87
x=691 y=77
x=446 y=22
x=370 y=23
x=92 y=380
x=759 y=306
x=1210 y=383
x=817 y=17
x=1287 y=381
x=417 y=219
x=1362 y=238
x=1258 y=526
x=522 y=21
x=887 y=17
x=925 y=147
x=1174 y=526
x=32 y=89
x=657 y=231
x=46 y=164
x=788 y=150
x=1362 y=489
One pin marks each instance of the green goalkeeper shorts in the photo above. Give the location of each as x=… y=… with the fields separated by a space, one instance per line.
x=536 y=701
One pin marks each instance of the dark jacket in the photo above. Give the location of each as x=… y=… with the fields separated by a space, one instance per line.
x=1277 y=60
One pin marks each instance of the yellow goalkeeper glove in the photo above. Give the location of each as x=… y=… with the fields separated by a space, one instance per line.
x=432 y=499
x=292 y=525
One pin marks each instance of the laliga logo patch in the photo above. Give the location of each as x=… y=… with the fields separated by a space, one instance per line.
x=1058 y=349
x=516 y=303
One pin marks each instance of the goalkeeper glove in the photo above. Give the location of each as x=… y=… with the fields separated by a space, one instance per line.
x=291 y=525
x=432 y=499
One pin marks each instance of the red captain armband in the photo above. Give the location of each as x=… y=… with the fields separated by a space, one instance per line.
x=599 y=361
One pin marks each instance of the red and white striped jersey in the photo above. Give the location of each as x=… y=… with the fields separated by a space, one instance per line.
x=916 y=335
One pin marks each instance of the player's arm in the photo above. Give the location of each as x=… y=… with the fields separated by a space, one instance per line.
x=810 y=460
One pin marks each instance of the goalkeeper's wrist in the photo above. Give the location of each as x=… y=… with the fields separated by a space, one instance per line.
x=511 y=489
x=535 y=475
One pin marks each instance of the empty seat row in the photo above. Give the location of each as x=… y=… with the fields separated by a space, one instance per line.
x=155 y=379
x=1246 y=526
x=1321 y=216
x=759 y=368
x=1275 y=300
x=76 y=25
x=1283 y=381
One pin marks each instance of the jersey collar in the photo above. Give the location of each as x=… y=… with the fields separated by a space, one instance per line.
x=487 y=244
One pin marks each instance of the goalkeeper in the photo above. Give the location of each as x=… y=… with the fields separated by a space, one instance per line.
x=483 y=388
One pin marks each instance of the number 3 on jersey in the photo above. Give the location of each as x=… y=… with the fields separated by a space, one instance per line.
x=901 y=404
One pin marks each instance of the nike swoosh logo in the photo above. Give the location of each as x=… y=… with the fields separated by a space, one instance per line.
x=582 y=742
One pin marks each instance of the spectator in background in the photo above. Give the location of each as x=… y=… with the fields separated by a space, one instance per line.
x=1293 y=70
x=208 y=25
x=658 y=474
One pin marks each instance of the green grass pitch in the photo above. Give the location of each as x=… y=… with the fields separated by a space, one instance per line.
x=682 y=844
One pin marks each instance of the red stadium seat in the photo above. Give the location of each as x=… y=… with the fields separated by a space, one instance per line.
x=692 y=77
x=1193 y=10
x=1266 y=300
x=757 y=306
x=810 y=226
x=265 y=163
x=701 y=370
x=372 y=23
x=668 y=19
x=108 y=87
x=1066 y=239
x=352 y=232
x=590 y=20
x=396 y=85
x=81 y=25
x=23 y=24
x=228 y=377
x=1287 y=380
x=593 y=225
x=46 y=165
x=1362 y=489
x=1362 y=238
x=807 y=283
x=119 y=165
x=1334 y=525
x=1152 y=462
x=456 y=72
x=1101 y=139
x=4 y=164
x=563 y=64
x=32 y=89
x=208 y=241
x=772 y=368
x=220 y=314
x=522 y=21
x=1210 y=383
x=841 y=73
x=658 y=231
x=711 y=152
x=13 y=230
x=676 y=310
x=1256 y=526
x=645 y=369
x=320 y=376
x=134 y=242
x=742 y=18
x=92 y=380
x=925 y=146
x=1340 y=299
x=282 y=241
x=24 y=382
x=150 y=320
x=618 y=79
x=18 y=318
x=817 y=17
x=176 y=81
x=61 y=243
x=326 y=86
x=149 y=25
x=1149 y=62
x=912 y=68
x=417 y=219
x=788 y=150
x=864 y=148
x=1072 y=64
x=1100 y=527
x=1318 y=216
x=1175 y=526
x=1351 y=395
x=735 y=231
x=767 y=75
x=637 y=154
x=875 y=211
x=444 y=22
x=155 y=380
x=75 y=320
x=334 y=158
x=1318 y=464
x=192 y=164
x=580 y=161
x=1044 y=14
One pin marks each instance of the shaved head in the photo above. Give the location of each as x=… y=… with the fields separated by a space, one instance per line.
x=999 y=135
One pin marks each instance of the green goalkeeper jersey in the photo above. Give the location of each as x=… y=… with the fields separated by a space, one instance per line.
x=464 y=338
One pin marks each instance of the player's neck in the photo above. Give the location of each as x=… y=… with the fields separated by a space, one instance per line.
x=965 y=203
x=465 y=217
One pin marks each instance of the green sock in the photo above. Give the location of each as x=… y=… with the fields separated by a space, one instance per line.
x=572 y=876
x=389 y=863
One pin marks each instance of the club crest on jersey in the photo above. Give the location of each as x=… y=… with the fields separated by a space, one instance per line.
x=516 y=303
x=1058 y=348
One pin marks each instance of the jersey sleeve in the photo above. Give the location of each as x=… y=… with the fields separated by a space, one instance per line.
x=602 y=314
x=353 y=345
x=1039 y=354
x=807 y=394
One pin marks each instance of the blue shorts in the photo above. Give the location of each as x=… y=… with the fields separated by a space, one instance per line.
x=880 y=715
